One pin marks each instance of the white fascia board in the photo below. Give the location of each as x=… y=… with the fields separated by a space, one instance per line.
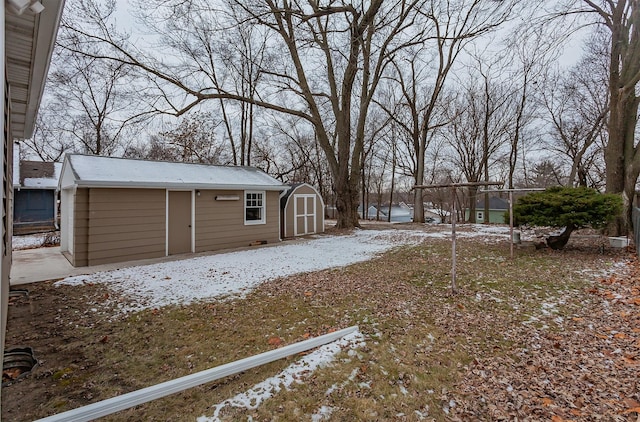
x=67 y=178
x=135 y=398
x=48 y=22
x=183 y=186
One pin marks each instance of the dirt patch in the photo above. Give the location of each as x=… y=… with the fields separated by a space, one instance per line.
x=549 y=334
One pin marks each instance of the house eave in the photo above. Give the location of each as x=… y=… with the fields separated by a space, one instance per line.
x=174 y=186
x=29 y=44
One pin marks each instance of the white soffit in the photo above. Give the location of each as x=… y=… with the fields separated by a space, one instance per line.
x=29 y=42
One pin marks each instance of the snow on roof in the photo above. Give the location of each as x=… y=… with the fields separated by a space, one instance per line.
x=96 y=171
x=292 y=188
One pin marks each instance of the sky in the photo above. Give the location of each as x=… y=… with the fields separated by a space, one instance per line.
x=571 y=52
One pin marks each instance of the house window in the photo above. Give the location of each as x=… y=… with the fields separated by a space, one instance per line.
x=480 y=216
x=254 y=211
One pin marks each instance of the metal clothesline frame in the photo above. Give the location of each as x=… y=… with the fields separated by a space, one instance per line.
x=511 y=190
x=454 y=187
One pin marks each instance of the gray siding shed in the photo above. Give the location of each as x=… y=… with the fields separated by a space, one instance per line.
x=302 y=211
x=117 y=209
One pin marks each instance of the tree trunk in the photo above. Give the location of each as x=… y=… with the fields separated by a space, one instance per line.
x=393 y=181
x=558 y=242
x=346 y=205
x=418 y=202
x=418 y=206
x=614 y=157
x=620 y=153
x=473 y=191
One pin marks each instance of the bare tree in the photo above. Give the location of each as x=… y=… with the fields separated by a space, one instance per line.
x=46 y=142
x=578 y=108
x=494 y=107
x=94 y=99
x=452 y=25
x=193 y=140
x=533 y=52
x=480 y=121
x=622 y=154
x=413 y=107
x=544 y=174
x=335 y=57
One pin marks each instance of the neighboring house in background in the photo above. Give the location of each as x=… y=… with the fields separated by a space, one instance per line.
x=434 y=216
x=35 y=202
x=497 y=209
x=431 y=215
x=371 y=213
x=116 y=209
x=400 y=213
x=301 y=211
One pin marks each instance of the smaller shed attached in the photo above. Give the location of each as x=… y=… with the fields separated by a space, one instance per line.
x=35 y=206
x=302 y=211
x=116 y=209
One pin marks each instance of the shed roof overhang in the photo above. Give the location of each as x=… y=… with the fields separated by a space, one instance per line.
x=29 y=42
x=173 y=186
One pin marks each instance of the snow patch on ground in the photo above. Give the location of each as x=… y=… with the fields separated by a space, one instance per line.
x=213 y=276
x=324 y=413
x=294 y=373
x=28 y=241
x=484 y=229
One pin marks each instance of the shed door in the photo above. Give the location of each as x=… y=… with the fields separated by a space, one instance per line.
x=179 y=222
x=304 y=210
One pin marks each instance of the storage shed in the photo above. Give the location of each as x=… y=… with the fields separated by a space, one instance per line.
x=115 y=209
x=302 y=211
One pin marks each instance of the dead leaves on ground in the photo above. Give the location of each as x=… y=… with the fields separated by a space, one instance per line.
x=586 y=368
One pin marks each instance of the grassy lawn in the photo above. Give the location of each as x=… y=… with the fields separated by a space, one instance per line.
x=536 y=337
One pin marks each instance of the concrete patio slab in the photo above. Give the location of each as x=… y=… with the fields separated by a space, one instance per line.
x=40 y=264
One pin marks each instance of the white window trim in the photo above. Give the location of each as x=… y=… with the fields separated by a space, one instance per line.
x=264 y=208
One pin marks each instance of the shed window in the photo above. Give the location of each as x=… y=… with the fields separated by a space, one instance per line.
x=254 y=212
x=480 y=216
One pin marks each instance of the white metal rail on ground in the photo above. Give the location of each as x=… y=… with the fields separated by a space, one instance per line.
x=134 y=398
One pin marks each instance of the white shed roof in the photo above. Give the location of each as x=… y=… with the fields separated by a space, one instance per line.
x=96 y=171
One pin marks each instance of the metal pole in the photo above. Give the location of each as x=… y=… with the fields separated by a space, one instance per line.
x=453 y=221
x=453 y=242
x=511 y=220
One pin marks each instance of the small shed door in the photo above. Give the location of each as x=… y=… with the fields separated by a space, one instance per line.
x=304 y=210
x=179 y=222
